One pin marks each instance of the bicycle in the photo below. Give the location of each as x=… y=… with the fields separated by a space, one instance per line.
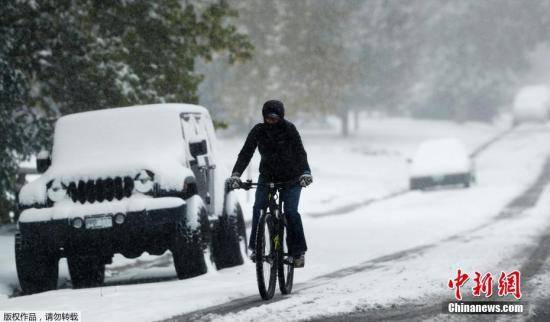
x=272 y=257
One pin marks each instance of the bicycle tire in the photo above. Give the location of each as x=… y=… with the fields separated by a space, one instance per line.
x=266 y=274
x=285 y=268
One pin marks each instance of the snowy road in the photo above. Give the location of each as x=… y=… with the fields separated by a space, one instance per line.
x=389 y=259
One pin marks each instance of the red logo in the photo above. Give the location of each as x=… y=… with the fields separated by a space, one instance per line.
x=507 y=284
x=458 y=282
x=484 y=284
x=510 y=284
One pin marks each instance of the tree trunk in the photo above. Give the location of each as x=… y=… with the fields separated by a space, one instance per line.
x=345 y=122
x=5 y=208
x=356 y=121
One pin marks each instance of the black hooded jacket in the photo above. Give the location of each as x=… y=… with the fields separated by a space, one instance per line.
x=283 y=157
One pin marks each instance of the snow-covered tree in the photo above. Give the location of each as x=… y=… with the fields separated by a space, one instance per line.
x=19 y=124
x=300 y=57
x=325 y=77
x=237 y=92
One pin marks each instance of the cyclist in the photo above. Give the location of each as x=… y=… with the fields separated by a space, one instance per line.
x=283 y=159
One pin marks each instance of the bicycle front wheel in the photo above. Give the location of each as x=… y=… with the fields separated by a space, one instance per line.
x=285 y=266
x=266 y=257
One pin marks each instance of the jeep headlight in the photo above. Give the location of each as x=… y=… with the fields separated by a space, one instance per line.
x=57 y=191
x=144 y=181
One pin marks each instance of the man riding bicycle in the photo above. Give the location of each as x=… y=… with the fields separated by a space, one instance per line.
x=283 y=159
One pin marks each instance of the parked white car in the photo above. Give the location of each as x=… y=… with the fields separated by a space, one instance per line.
x=441 y=162
x=532 y=104
x=127 y=180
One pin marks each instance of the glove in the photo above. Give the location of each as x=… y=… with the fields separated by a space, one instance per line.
x=305 y=180
x=234 y=182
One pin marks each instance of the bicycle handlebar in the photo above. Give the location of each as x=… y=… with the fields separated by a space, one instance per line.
x=248 y=184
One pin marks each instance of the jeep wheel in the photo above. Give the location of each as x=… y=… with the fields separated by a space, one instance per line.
x=37 y=269
x=229 y=234
x=188 y=247
x=86 y=271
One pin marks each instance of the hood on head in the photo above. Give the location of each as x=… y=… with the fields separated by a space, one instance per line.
x=273 y=107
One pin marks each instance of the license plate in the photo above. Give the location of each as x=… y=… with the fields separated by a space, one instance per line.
x=99 y=222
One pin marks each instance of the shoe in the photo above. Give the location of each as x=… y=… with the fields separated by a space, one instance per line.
x=299 y=261
x=252 y=256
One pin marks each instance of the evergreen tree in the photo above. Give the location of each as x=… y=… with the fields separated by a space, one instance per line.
x=19 y=124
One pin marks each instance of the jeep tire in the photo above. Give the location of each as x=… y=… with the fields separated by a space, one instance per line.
x=37 y=269
x=188 y=246
x=86 y=271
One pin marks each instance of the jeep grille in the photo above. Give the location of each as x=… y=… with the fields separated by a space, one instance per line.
x=101 y=189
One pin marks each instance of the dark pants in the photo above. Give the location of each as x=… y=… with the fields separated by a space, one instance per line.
x=290 y=197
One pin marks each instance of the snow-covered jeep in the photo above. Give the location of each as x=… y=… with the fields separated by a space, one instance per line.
x=127 y=180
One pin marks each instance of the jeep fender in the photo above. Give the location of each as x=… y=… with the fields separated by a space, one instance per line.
x=231 y=201
x=193 y=210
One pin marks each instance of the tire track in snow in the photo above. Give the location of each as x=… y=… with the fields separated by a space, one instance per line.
x=484 y=146
x=540 y=308
x=517 y=206
x=354 y=206
x=529 y=198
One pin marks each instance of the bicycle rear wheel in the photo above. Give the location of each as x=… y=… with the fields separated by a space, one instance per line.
x=285 y=266
x=266 y=257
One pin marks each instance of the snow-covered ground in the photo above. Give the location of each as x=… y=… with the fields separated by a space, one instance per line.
x=370 y=164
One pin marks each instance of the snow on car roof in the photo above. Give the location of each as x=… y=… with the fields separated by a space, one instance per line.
x=116 y=131
x=440 y=156
x=441 y=146
x=154 y=111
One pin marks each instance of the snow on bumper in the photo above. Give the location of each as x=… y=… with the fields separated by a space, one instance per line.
x=70 y=210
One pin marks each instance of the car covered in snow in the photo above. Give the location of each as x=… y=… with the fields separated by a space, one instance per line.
x=127 y=180
x=441 y=162
x=532 y=104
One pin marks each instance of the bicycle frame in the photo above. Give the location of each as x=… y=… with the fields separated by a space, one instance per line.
x=276 y=213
